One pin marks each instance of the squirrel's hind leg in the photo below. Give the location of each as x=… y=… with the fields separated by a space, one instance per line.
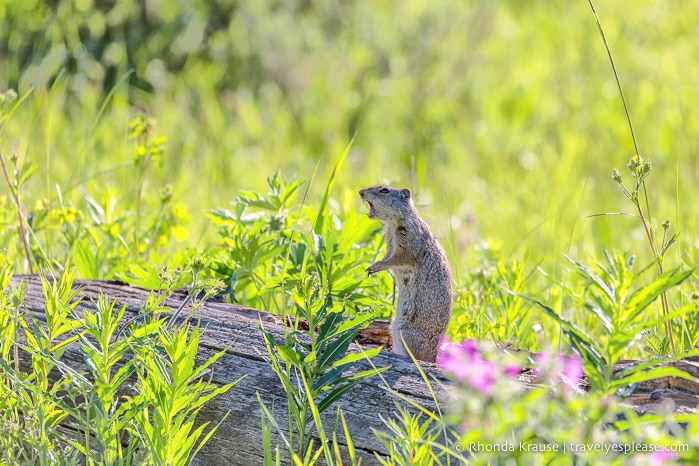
x=422 y=345
x=396 y=341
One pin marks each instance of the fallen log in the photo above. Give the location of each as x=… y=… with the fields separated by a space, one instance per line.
x=238 y=440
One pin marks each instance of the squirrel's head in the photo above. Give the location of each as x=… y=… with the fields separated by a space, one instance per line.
x=387 y=203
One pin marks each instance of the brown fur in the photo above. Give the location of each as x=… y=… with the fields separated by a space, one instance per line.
x=421 y=272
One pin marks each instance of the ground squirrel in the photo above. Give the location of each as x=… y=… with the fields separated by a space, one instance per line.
x=421 y=272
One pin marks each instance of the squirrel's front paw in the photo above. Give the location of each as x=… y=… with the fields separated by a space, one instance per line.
x=374 y=268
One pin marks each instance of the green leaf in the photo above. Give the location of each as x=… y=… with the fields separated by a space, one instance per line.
x=329 y=378
x=144 y=276
x=348 y=438
x=644 y=296
x=26 y=172
x=583 y=342
x=336 y=394
x=660 y=361
x=327 y=328
x=603 y=317
x=336 y=349
x=353 y=357
x=309 y=359
x=633 y=332
x=639 y=375
x=85 y=261
x=357 y=321
x=594 y=278
x=289 y=355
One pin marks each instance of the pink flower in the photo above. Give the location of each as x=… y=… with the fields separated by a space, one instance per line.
x=559 y=368
x=448 y=350
x=467 y=364
x=513 y=370
x=483 y=376
x=571 y=370
x=658 y=458
x=457 y=358
x=543 y=364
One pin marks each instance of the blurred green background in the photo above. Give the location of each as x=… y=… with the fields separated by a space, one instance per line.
x=502 y=116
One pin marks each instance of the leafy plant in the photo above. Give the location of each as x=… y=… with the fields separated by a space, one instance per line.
x=621 y=312
x=107 y=419
x=172 y=391
x=312 y=366
x=268 y=248
x=253 y=240
x=311 y=458
x=32 y=405
x=656 y=345
x=410 y=439
x=485 y=311
x=640 y=169
x=10 y=303
x=137 y=401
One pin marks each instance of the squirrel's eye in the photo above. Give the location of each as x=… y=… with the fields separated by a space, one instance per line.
x=384 y=191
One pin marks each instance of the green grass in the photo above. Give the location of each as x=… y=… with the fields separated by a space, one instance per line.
x=505 y=120
x=506 y=114
x=198 y=142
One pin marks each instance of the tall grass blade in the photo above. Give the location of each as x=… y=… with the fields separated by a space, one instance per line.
x=322 y=209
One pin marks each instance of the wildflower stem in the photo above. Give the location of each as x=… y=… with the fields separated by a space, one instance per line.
x=15 y=198
x=649 y=231
x=659 y=261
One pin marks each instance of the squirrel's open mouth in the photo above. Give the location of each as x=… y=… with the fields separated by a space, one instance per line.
x=372 y=210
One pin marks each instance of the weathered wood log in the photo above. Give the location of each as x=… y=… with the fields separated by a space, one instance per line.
x=238 y=440
x=665 y=394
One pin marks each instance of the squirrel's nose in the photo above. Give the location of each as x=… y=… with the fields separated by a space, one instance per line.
x=362 y=191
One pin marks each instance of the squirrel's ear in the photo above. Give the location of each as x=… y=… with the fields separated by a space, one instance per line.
x=405 y=192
